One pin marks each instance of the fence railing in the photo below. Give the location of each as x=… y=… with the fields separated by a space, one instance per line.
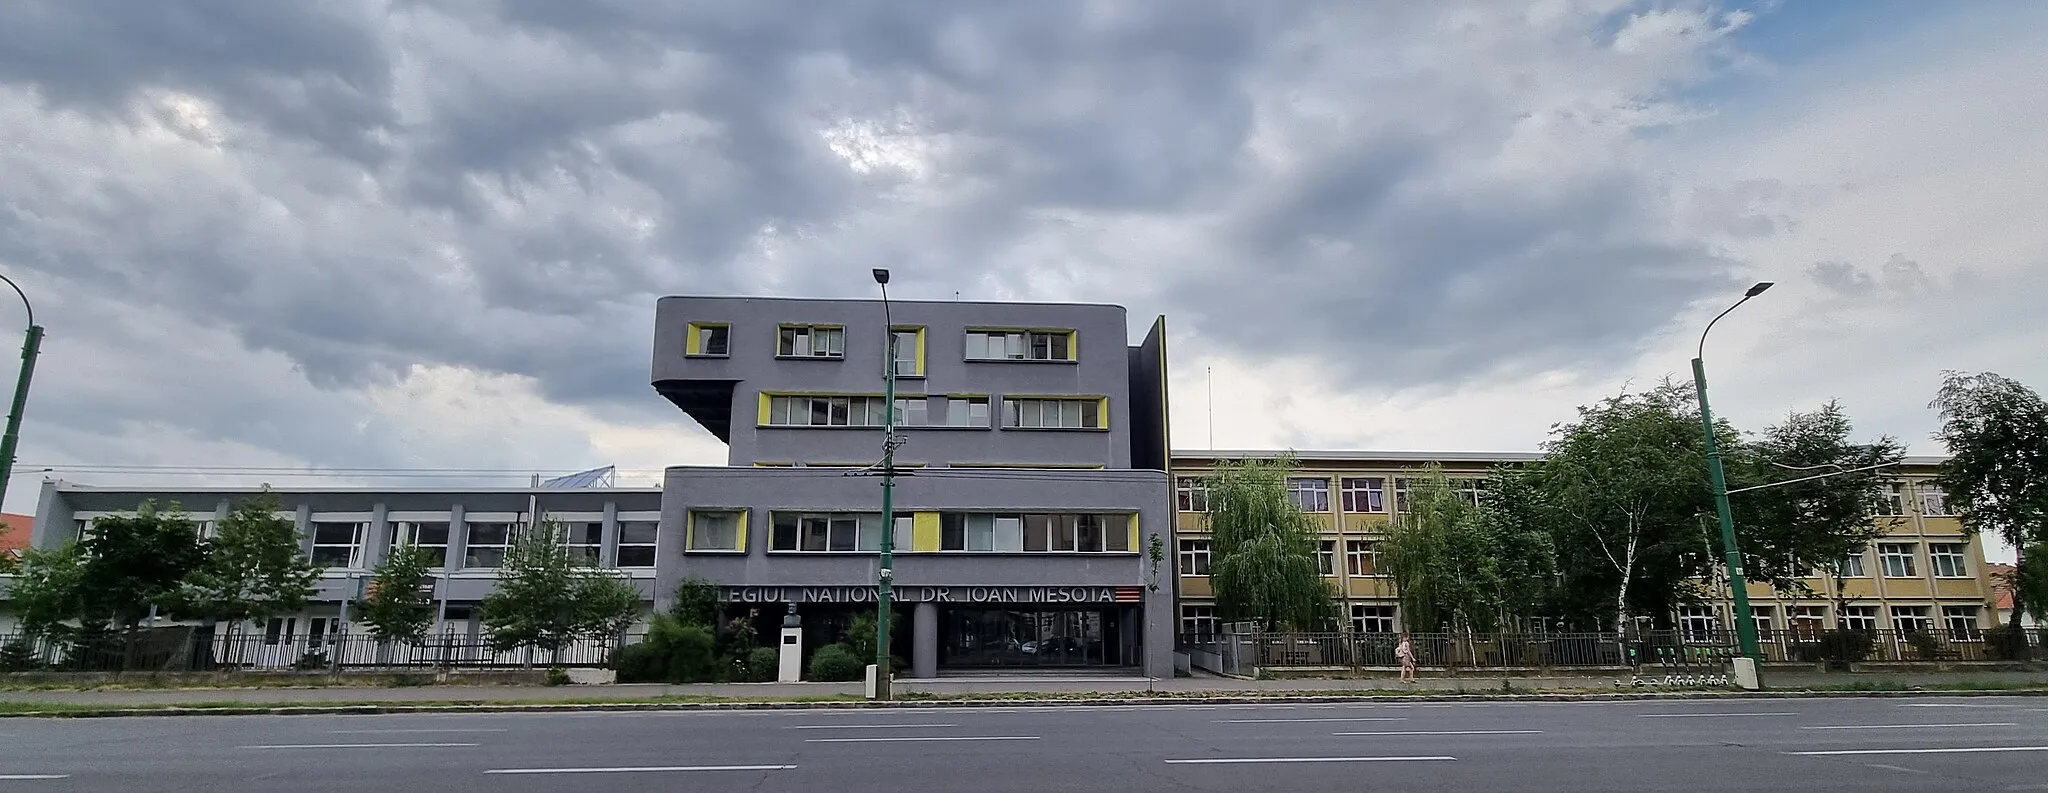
x=186 y=649
x=1677 y=651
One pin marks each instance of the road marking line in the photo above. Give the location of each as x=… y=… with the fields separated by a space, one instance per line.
x=1952 y=705
x=27 y=777
x=357 y=745
x=1308 y=721
x=868 y=726
x=449 y=729
x=1222 y=760
x=1955 y=750
x=1911 y=726
x=1899 y=768
x=1446 y=732
x=1704 y=715
x=638 y=769
x=946 y=738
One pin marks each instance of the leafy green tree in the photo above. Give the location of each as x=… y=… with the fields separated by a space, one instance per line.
x=9 y=560
x=48 y=592
x=546 y=598
x=1790 y=530
x=1263 y=549
x=256 y=568
x=1458 y=565
x=1623 y=487
x=398 y=604
x=695 y=601
x=134 y=561
x=1996 y=477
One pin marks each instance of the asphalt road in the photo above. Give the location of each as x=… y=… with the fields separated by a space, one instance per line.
x=1978 y=744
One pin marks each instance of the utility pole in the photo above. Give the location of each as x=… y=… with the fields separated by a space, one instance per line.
x=887 y=573
x=1738 y=586
x=29 y=347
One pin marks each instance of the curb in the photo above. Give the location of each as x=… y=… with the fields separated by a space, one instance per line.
x=393 y=708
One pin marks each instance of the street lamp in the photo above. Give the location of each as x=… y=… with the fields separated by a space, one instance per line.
x=887 y=573
x=28 y=369
x=1745 y=626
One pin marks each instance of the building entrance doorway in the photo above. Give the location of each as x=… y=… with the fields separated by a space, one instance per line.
x=1038 y=637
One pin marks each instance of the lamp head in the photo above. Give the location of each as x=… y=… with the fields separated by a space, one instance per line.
x=1754 y=290
x=881 y=276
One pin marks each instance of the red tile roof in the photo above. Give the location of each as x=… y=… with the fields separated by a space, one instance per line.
x=15 y=536
x=2000 y=591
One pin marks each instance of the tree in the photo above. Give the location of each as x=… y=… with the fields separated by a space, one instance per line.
x=131 y=562
x=1460 y=565
x=1263 y=549
x=1996 y=476
x=49 y=590
x=398 y=602
x=546 y=598
x=255 y=568
x=9 y=560
x=1789 y=531
x=1622 y=488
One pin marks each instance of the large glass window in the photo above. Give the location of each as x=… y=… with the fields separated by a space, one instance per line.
x=1032 y=413
x=1034 y=532
x=1365 y=494
x=1897 y=559
x=1191 y=494
x=824 y=532
x=1362 y=557
x=1933 y=502
x=637 y=540
x=1199 y=622
x=998 y=345
x=715 y=530
x=1326 y=557
x=1961 y=622
x=1808 y=621
x=913 y=411
x=827 y=411
x=1851 y=566
x=428 y=536
x=1947 y=560
x=1859 y=618
x=585 y=539
x=1309 y=494
x=487 y=543
x=967 y=411
x=1699 y=623
x=1372 y=619
x=1890 y=499
x=811 y=341
x=1194 y=557
x=338 y=544
x=1911 y=619
x=909 y=362
x=710 y=339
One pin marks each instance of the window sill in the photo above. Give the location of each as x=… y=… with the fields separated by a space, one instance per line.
x=1056 y=429
x=1955 y=578
x=810 y=357
x=868 y=427
x=1037 y=554
x=1067 y=361
x=716 y=551
x=706 y=355
x=941 y=427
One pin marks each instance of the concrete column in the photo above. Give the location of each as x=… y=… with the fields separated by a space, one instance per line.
x=305 y=523
x=377 y=544
x=924 y=641
x=608 y=550
x=458 y=538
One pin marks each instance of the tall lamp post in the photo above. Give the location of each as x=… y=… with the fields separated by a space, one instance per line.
x=887 y=573
x=29 y=348
x=1745 y=625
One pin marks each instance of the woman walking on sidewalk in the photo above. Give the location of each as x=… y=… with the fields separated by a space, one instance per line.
x=1404 y=652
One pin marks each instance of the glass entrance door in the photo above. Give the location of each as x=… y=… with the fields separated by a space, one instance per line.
x=1004 y=638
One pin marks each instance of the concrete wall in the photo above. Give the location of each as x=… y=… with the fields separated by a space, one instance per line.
x=1101 y=368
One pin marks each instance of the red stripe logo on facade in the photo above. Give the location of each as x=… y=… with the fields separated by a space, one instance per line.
x=1130 y=594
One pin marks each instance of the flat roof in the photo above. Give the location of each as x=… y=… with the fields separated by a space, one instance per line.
x=1420 y=457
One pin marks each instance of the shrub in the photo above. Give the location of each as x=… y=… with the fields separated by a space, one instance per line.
x=557 y=676
x=673 y=652
x=2006 y=643
x=692 y=655
x=18 y=656
x=641 y=663
x=1846 y=646
x=763 y=663
x=834 y=663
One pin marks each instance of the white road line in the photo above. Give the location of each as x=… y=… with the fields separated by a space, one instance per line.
x=1704 y=715
x=1223 y=760
x=1913 y=726
x=946 y=738
x=1953 y=750
x=27 y=777
x=1447 y=732
x=1952 y=705
x=638 y=769
x=868 y=726
x=1308 y=721
x=420 y=730
x=357 y=745
x=1899 y=768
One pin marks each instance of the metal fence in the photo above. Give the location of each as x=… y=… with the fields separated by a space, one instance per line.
x=1243 y=652
x=187 y=649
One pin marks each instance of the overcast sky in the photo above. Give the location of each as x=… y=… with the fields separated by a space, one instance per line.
x=419 y=234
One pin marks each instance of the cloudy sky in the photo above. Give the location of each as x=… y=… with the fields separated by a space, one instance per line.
x=429 y=234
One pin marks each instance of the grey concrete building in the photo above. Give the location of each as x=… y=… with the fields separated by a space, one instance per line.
x=1034 y=521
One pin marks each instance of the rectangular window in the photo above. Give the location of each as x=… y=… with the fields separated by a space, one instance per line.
x=1859 y=618
x=1961 y=622
x=1400 y=495
x=1364 y=493
x=842 y=532
x=912 y=411
x=487 y=543
x=1472 y=490
x=978 y=532
x=1326 y=557
x=1852 y=565
x=708 y=338
x=826 y=411
x=637 y=542
x=338 y=544
x=1032 y=345
x=1362 y=557
x=431 y=537
x=1309 y=494
x=967 y=412
x=1808 y=621
x=1933 y=502
x=1372 y=619
x=1194 y=557
x=1889 y=500
x=811 y=341
x=1033 y=413
x=1199 y=622
x=1947 y=560
x=1766 y=618
x=1911 y=619
x=1699 y=623
x=1896 y=559
x=908 y=353
x=586 y=540
x=715 y=530
x=1191 y=494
